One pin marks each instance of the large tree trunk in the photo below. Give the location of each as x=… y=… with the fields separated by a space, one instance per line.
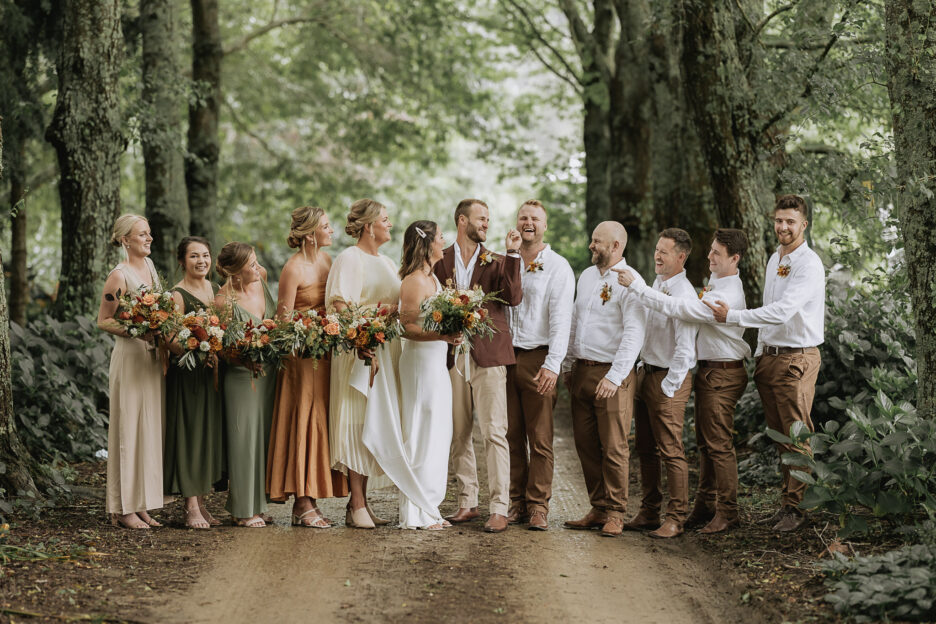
x=166 y=201
x=723 y=112
x=597 y=142
x=19 y=277
x=204 y=145
x=86 y=134
x=16 y=477
x=911 y=84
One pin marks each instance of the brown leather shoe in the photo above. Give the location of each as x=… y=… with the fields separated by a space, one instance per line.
x=669 y=529
x=643 y=521
x=464 y=514
x=792 y=519
x=700 y=516
x=594 y=519
x=517 y=514
x=496 y=524
x=614 y=526
x=538 y=521
x=719 y=523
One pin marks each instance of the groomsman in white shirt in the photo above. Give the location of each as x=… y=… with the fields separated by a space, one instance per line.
x=791 y=325
x=606 y=336
x=663 y=388
x=719 y=381
x=539 y=327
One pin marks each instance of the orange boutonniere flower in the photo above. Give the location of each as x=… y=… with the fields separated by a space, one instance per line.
x=704 y=290
x=783 y=270
x=486 y=258
x=605 y=293
x=534 y=266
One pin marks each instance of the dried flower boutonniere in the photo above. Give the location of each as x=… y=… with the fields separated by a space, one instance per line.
x=783 y=270
x=605 y=293
x=533 y=267
x=704 y=290
x=665 y=291
x=486 y=258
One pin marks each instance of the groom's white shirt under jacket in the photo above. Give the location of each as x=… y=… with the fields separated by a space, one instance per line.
x=544 y=316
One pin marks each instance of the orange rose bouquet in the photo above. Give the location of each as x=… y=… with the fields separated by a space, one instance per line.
x=201 y=335
x=254 y=344
x=455 y=311
x=149 y=310
x=310 y=334
x=368 y=328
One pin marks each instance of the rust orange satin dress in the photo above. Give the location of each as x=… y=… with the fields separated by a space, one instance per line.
x=298 y=462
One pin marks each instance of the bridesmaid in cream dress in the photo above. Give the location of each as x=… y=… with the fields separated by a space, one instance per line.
x=136 y=389
x=360 y=275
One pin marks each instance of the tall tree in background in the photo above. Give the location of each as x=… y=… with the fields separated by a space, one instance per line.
x=160 y=123
x=911 y=64
x=86 y=134
x=204 y=144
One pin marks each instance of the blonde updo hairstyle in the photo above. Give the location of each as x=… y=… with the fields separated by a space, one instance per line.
x=362 y=213
x=305 y=221
x=232 y=259
x=122 y=228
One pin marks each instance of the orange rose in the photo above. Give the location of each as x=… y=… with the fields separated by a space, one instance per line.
x=380 y=337
x=124 y=316
x=351 y=334
x=436 y=316
x=483 y=313
x=214 y=343
x=269 y=323
x=265 y=339
x=162 y=316
x=191 y=321
x=148 y=299
x=192 y=343
x=307 y=321
x=332 y=329
x=213 y=320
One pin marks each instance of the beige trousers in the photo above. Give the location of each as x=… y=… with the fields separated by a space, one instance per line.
x=486 y=397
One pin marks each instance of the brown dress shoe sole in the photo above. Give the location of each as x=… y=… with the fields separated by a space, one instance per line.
x=583 y=527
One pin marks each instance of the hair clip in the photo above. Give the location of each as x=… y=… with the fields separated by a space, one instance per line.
x=420 y=232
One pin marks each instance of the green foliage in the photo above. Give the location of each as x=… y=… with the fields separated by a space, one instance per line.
x=898 y=585
x=60 y=381
x=883 y=459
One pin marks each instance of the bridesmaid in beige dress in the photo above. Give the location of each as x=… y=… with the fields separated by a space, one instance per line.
x=298 y=461
x=360 y=275
x=137 y=389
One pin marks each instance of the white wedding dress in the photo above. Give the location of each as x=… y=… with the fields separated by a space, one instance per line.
x=415 y=454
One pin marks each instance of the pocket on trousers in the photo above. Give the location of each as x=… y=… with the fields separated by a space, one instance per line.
x=797 y=367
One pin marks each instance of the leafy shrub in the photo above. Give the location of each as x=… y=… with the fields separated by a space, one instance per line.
x=60 y=379
x=899 y=585
x=883 y=459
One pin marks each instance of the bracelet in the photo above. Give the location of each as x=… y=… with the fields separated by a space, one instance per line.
x=513 y=251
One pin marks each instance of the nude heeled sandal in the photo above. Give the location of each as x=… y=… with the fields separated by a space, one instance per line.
x=358 y=518
x=377 y=520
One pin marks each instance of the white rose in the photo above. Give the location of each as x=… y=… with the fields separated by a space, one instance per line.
x=184 y=333
x=204 y=346
x=216 y=332
x=134 y=331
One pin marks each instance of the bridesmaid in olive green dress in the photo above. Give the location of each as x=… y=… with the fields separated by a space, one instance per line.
x=193 y=444
x=248 y=400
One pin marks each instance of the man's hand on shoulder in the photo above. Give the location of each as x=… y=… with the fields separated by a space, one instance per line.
x=719 y=310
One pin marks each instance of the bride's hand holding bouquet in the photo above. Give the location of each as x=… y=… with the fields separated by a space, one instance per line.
x=459 y=312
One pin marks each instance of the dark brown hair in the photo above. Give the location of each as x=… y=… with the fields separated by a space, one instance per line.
x=417 y=247
x=735 y=241
x=464 y=208
x=233 y=258
x=792 y=202
x=680 y=237
x=182 y=249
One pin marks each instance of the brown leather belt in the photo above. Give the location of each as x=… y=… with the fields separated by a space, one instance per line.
x=714 y=364
x=650 y=368
x=592 y=363
x=783 y=350
x=522 y=350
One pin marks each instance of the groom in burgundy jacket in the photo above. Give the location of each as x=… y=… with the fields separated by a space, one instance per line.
x=479 y=381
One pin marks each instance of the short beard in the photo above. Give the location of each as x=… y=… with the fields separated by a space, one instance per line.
x=599 y=258
x=475 y=235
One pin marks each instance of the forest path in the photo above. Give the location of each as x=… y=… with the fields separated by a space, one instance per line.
x=461 y=574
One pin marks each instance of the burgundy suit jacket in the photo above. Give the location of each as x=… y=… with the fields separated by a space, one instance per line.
x=501 y=275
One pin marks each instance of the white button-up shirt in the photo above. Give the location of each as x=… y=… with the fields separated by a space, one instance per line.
x=715 y=341
x=606 y=331
x=670 y=343
x=793 y=314
x=544 y=316
x=463 y=273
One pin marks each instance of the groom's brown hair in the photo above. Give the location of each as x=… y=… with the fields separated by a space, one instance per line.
x=464 y=208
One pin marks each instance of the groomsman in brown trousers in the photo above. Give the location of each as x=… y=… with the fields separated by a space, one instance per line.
x=539 y=328
x=719 y=381
x=791 y=324
x=663 y=388
x=606 y=336
x=479 y=379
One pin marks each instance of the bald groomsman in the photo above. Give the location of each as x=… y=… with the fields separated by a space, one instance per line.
x=607 y=333
x=539 y=327
x=791 y=325
x=663 y=388
x=719 y=381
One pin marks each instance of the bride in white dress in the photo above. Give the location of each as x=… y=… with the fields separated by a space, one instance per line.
x=415 y=456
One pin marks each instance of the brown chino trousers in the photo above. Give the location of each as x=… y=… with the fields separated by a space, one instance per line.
x=530 y=421
x=600 y=429
x=717 y=391
x=787 y=384
x=658 y=421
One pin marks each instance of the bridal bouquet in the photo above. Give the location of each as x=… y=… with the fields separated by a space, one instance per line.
x=254 y=344
x=201 y=336
x=310 y=334
x=455 y=311
x=149 y=310
x=368 y=328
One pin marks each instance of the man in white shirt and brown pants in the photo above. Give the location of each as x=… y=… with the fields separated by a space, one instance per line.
x=663 y=388
x=606 y=336
x=791 y=325
x=719 y=381
x=539 y=328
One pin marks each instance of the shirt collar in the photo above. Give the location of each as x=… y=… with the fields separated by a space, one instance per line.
x=622 y=264
x=672 y=280
x=715 y=282
x=458 y=256
x=795 y=253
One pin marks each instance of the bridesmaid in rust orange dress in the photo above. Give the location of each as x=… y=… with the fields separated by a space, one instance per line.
x=298 y=462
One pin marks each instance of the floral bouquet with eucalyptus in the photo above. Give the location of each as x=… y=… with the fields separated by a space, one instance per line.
x=458 y=311
x=147 y=311
x=201 y=336
x=310 y=334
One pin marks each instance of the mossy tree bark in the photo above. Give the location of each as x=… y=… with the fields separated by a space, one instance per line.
x=911 y=65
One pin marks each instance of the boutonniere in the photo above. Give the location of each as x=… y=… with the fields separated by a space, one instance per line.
x=665 y=291
x=533 y=267
x=783 y=270
x=605 y=293
x=704 y=290
x=486 y=258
